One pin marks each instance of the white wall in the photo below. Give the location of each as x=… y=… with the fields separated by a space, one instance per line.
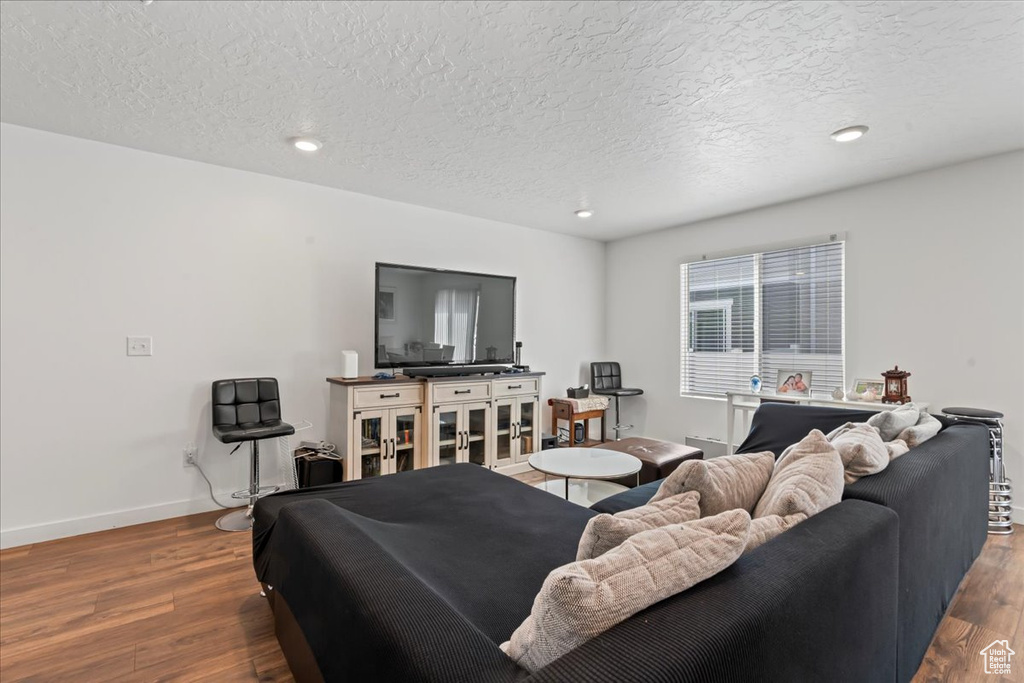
x=954 y=318
x=233 y=274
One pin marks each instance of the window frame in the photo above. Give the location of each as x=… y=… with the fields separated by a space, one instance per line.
x=758 y=354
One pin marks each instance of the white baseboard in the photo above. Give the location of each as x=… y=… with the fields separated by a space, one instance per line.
x=49 y=531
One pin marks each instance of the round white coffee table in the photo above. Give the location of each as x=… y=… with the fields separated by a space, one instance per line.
x=592 y=467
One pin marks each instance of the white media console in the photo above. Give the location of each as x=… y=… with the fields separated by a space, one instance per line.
x=388 y=426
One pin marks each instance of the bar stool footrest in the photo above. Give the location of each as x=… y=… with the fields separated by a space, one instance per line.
x=246 y=494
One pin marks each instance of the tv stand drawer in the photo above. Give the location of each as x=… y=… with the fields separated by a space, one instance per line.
x=514 y=386
x=388 y=395
x=448 y=392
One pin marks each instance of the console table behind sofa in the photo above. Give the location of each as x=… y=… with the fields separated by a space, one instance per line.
x=747 y=403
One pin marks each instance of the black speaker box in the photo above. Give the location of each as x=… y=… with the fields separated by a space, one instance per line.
x=318 y=471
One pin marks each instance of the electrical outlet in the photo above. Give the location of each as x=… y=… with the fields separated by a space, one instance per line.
x=140 y=346
x=189 y=455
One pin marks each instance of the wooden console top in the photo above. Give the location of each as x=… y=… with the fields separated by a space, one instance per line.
x=402 y=379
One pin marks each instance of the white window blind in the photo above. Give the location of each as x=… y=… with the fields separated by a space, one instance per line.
x=777 y=311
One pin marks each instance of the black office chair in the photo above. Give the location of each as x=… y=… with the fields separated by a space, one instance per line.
x=606 y=379
x=247 y=410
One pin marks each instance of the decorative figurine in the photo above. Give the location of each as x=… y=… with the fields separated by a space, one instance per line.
x=896 y=386
x=838 y=393
x=755 y=384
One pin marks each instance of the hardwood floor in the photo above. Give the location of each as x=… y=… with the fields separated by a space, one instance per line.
x=989 y=606
x=177 y=601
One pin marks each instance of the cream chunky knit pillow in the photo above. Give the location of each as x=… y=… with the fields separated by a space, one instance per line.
x=807 y=479
x=861 y=448
x=891 y=422
x=605 y=531
x=764 y=529
x=583 y=599
x=927 y=426
x=725 y=483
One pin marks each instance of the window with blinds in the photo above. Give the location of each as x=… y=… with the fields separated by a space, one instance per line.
x=778 y=314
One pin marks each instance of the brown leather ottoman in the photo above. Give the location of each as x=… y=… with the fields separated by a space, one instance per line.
x=659 y=458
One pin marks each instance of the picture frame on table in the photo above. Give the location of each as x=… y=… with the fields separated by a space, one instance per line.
x=867 y=390
x=793 y=383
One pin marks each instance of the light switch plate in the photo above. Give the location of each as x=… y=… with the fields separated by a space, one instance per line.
x=140 y=346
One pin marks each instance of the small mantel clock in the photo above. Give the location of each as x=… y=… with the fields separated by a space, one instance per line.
x=896 y=386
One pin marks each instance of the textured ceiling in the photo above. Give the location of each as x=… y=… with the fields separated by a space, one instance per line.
x=652 y=113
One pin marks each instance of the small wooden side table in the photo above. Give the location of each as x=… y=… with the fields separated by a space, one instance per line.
x=575 y=409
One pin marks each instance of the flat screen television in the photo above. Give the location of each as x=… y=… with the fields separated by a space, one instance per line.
x=429 y=316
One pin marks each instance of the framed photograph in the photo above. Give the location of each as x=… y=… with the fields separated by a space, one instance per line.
x=867 y=390
x=386 y=304
x=793 y=383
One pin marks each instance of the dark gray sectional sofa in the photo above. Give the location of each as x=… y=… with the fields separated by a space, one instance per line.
x=939 y=490
x=419 y=576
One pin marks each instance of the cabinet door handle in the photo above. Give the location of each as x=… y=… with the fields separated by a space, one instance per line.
x=394 y=395
x=463 y=391
x=460 y=446
x=515 y=386
x=393 y=449
x=517 y=431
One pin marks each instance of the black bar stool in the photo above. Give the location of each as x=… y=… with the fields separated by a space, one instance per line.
x=247 y=410
x=606 y=379
x=1000 y=488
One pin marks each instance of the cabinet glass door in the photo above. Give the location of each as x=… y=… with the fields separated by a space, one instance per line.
x=504 y=433
x=527 y=413
x=405 y=440
x=370 y=438
x=446 y=436
x=476 y=434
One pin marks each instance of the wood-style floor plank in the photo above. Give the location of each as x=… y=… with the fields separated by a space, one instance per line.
x=996 y=581
x=177 y=600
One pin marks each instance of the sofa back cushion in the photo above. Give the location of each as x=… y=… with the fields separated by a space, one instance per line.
x=605 y=532
x=583 y=599
x=777 y=426
x=726 y=483
x=807 y=479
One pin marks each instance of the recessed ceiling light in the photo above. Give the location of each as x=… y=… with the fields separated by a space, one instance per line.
x=849 y=134
x=306 y=144
x=584 y=213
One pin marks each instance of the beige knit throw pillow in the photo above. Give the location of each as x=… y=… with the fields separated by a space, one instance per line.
x=581 y=600
x=605 y=531
x=896 y=448
x=807 y=479
x=927 y=426
x=861 y=449
x=764 y=529
x=891 y=422
x=725 y=483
